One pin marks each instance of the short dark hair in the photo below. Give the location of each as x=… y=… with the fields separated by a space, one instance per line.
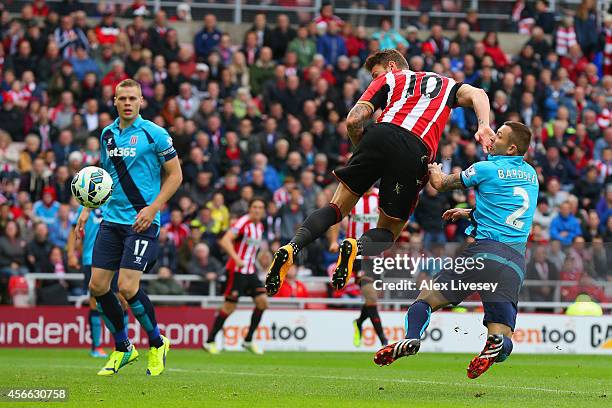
x=255 y=199
x=384 y=57
x=385 y=19
x=520 y=136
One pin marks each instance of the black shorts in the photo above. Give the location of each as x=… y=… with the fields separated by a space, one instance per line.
x=240 y=284
x=119 y=246
x=86 y=270
x=493 y=262
x=395 y=156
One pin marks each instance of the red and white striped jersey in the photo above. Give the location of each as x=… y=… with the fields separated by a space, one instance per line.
x=604 y=169
x=281 y=197
x=603 y=118
x=420 y=102
x=246 y=244
x=364 y=215
x=565 y=39
x=607 y=51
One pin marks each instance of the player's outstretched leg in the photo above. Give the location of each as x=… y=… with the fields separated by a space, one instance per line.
x=313 y=227
x=211 y=345
x=143 y=310
x=371 y=299
x=224 y=312
x=371 y=312
x=497 y=348
x=112 y=313
x=95 y=329
x=261 y=304
x=416 y=322
x=357 y=325
x=368 y=310
x=372 y=242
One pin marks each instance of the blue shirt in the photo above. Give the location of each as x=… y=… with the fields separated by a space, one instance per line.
x=390 y=39
x=58 y=233
x=44 y=213
x=134 y=157
x=91 y=232
x=205 y=41
x=82 y=67
x=506 y=189
x=569 y=224
x=331 y=47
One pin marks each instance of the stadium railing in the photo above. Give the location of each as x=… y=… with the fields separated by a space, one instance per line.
x=495 y=12
x=214 y=300
x=240 y=11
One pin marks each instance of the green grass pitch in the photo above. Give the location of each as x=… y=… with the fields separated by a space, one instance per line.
x=195 y=379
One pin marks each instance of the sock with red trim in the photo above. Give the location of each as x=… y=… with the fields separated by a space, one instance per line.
x=375 y=319
x=255 y=319
x=315 y=226
x=217 y=326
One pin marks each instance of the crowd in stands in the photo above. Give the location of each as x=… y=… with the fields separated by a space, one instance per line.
x=265 y=116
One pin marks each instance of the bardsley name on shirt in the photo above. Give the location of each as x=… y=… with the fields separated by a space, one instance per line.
x=517 y=174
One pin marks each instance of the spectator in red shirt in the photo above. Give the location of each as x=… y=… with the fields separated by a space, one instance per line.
x=40 y=8
x=107 y=31
x=116 y=75
x=326 y=15
x=177 y=230
x=574 y=62
x=354 y=42
x=292 y=287
x=584 y=285
x=493 y=49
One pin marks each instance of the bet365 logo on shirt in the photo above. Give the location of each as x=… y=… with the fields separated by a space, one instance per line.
x=122 y=152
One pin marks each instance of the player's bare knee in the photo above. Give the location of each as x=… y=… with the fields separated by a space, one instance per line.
x=228 y=307
x=98 y=288
x=261 y=302
x=342 y=206
x=369 y=294
x=392 y=224
x=344 y=199
x=128 y=289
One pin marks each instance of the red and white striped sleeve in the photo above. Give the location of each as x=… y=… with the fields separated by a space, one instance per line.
x=376 y=95
x=239 y=226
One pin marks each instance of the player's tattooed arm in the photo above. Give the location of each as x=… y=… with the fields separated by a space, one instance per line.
x=443 y=182
x=356 y=120
x=476 y=98
x=451 y=182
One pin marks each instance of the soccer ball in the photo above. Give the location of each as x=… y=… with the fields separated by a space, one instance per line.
x=92 y=186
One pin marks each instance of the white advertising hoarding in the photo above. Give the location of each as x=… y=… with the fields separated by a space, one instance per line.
x=329 y=330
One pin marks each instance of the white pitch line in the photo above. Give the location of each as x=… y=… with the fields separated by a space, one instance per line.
x=383 y=379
